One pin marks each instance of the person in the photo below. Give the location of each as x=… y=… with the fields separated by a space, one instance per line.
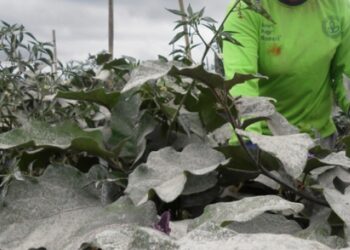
x=304 y=53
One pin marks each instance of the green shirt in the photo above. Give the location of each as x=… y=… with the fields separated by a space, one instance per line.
x=304 y=56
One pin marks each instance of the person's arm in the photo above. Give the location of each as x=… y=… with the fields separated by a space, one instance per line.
x=341 y=63
x=243 y=59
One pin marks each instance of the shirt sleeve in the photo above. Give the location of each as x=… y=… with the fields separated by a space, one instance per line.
x=242 y=59
x=244 y=25
x=341 y=63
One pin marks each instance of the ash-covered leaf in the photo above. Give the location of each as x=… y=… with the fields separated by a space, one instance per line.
x=320 y=230
x=99 y=96
x=244 y=210
x=279 y=125
x=318 y=166
x=339 y=202
x=212 y=237
x=147 y=71
x=221 y=136
x=57 y=210
x=337 y=159
x=150 y=239
x=213 y=80
x=63 y=136
x=266 y=223
x=165 y=171
x=199 y=183
x=253 y=107
x=268 y=181
x=191 y=123
x=291 y=150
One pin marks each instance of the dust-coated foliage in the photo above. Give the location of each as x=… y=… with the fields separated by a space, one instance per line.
x=92 y=152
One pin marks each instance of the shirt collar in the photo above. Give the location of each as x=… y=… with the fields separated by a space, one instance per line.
x=293 y=3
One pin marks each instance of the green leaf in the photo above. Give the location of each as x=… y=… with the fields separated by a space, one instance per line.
x=177 y=37
x=291 y=150
x=227 y=36
x=346 y=141
x=99 y=96
x=130 y=126
x=59 y=206
x=208 y=111
x=189 y=10
x=209 y=19
x=102 y=58
x=165 y=171
x=244 y=210
x=177 y=12
x=63 y=136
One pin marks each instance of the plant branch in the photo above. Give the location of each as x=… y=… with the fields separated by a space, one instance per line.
x=208 y=46
x=204 y=42
x=257 y=162
x=182 y=102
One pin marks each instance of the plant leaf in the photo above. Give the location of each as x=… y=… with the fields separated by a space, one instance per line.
x=58 y=206
x=254 y=107
x=244 y=210
x=165 y=171
x=266 y=223
x=130 y=126
x=63 y=136
x=333 y=159
x=146 y=71
x=291 y=150
x=197 y=184
x=338 y=201
x=211 y=237
x=210 y=79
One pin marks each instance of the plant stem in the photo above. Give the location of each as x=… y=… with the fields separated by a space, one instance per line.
x=259 y=165
x=182 y=102
x=208 y=46
x=203 y=41
x=187 y=39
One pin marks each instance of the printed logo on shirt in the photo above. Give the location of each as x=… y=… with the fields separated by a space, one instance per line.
x=332 y=26
x=268 y=33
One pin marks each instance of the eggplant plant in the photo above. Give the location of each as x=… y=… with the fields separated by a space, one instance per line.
x=149 y=166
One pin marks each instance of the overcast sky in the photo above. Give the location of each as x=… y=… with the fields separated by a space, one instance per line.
x=143 y=28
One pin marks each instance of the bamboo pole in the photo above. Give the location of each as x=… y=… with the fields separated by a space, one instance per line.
x=54 y=63
x=110 y=27
x=187 y=38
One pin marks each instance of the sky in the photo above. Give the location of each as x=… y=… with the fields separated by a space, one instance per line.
x=143 y=28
